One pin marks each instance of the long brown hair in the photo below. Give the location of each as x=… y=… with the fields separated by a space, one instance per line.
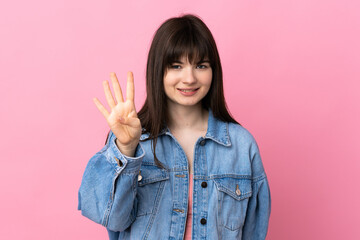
x=186 y=35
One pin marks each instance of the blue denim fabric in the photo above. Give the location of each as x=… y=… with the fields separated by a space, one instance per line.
x=234 y=204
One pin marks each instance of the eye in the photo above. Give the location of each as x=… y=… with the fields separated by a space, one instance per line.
x=202 y=66
x=175 y=66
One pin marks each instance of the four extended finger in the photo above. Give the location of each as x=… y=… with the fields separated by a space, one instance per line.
x=101 y=108
x=109 y=97
x=130 y=92
x=116 y=87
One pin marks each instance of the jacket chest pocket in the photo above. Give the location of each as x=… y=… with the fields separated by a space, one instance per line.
x=150 y=188
x=233 y=197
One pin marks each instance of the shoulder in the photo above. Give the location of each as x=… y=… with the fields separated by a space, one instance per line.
x=240 y=133
x=242 y=139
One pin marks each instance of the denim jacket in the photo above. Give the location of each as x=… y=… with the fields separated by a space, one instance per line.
x=135 y=199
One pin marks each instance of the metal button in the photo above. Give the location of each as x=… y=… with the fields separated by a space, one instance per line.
x=180 y=175
x=120 y=164
x=204 y=184
x=179 y=210
x=203 y=221
x=238 y=192
x=202 y=142
x=139 y=176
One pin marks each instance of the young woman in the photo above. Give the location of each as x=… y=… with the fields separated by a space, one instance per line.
x=181 y=167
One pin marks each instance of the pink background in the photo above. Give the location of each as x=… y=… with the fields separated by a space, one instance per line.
x=291 y=76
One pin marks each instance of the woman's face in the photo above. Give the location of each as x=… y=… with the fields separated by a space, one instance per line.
x=187 y=84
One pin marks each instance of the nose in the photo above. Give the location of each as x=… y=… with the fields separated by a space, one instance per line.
x=189 y=75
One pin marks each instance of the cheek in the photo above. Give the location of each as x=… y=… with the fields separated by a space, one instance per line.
x=168 y=86
x=170 y=79
x=209 y=79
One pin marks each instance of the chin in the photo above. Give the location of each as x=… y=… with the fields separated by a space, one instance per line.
x=190 y=104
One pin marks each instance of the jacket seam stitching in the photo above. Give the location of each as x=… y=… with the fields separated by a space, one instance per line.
x=257 y=179
x=110 y=202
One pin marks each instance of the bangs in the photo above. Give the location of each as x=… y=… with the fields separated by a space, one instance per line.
x=188 y=44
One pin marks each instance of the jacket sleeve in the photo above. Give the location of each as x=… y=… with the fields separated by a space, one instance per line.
x=108 y=187
x=259 y=206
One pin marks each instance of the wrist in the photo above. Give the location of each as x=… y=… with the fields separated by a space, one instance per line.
x=126 y=150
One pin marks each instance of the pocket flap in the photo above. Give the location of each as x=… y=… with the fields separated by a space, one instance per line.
x=238 y=188
x=151 y=174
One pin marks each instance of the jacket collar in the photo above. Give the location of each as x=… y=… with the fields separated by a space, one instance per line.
x=217 y=130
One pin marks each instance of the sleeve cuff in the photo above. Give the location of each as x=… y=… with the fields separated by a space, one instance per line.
x=122 y=162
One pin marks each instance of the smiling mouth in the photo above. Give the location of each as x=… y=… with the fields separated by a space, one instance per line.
x=188 y=90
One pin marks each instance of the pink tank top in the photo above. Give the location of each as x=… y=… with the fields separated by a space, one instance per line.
x=189 y=215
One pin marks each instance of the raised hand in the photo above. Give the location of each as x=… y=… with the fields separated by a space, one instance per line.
x=122 y=119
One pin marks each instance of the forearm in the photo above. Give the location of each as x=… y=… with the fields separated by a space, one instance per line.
x=107 y=184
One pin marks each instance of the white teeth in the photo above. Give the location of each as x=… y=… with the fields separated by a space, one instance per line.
x=191 y=90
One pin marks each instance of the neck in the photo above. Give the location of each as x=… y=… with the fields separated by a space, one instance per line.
x=191 y=118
